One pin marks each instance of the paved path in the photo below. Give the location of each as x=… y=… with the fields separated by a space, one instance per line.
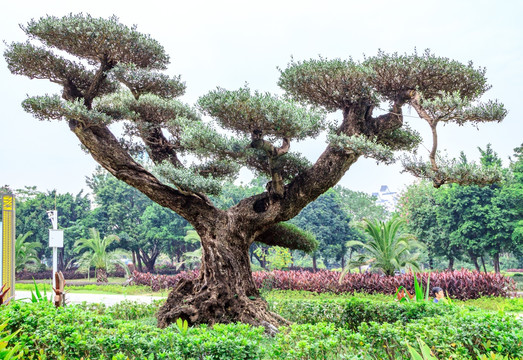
x=77 y=298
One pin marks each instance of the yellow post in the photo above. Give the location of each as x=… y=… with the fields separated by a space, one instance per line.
x=7 y=247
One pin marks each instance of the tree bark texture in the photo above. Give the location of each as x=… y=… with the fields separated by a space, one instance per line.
x=225 y=291
x=101 y=276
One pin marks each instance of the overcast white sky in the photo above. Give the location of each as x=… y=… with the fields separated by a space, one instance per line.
x=228 y=43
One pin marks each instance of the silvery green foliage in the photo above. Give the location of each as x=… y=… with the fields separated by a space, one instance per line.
x=218 y=169
x=393 y=74
x=404 y=138
x=117 y=77
x=98 y=39
x=289 y=236
x=53 y=107
x=452 y=170
x=143 y=81
x=187 y=179
x=457 y=108
x=288 y=165
x=243 y=112
x=331 y=84
x=362 y=145
x=438 y=88
x=202 y=139
x=117 y=105
x=39 y=63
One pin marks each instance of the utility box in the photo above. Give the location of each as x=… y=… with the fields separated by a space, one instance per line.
x=56 y=238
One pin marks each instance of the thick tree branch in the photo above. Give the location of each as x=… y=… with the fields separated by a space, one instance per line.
x=97 y=82
x=306 y=187
x=432 y=155
x=106 y=150
x=387 y=122
x=275 y=187
x=284 y=148
x=158 y=147
x=415 y=102
x=271 y=150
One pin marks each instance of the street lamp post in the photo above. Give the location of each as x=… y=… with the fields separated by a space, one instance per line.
x=56 y=240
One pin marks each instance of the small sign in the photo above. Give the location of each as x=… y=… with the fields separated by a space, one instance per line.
x=56 y=238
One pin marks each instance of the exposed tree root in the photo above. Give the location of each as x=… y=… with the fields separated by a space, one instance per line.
x=216 y=304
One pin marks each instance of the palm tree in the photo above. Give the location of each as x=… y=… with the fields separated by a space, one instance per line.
x=96 y=254
x=387 y=249
x=25 y=251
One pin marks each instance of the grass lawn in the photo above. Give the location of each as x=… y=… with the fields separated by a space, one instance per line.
x=93 y=288
x=92 y=280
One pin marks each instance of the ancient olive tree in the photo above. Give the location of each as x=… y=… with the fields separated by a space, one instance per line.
x=118 y=77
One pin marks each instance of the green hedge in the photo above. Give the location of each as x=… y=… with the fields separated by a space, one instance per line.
x=350 y=313
x=462 y=335
x=89 y=332
x=73 y=333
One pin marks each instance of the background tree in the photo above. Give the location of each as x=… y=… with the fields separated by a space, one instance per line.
x=326 y=219
x=192 y=258
x=421 y=206
x=31 y=215
x=120 y=208
x=163 y=231
x=359 y=205
x=261 y=127
x=388 y=247
x=517 y=188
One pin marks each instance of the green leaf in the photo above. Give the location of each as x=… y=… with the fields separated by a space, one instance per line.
x=418 y=289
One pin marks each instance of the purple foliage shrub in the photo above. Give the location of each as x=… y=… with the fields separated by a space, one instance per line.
x=459 y=284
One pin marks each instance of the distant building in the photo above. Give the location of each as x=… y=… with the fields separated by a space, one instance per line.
x=386 y=198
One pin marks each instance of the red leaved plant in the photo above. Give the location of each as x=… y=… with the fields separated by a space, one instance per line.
x=459 y=284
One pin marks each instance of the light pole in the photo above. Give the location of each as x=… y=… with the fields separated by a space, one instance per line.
x=56 y=240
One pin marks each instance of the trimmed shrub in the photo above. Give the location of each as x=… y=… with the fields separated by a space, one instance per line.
x=73 y=333
x=461 y=335
x=350 y=313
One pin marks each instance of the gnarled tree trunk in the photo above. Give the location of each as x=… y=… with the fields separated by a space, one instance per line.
x=224 y=291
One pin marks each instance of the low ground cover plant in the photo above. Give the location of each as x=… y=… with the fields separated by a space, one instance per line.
x=459 y=284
